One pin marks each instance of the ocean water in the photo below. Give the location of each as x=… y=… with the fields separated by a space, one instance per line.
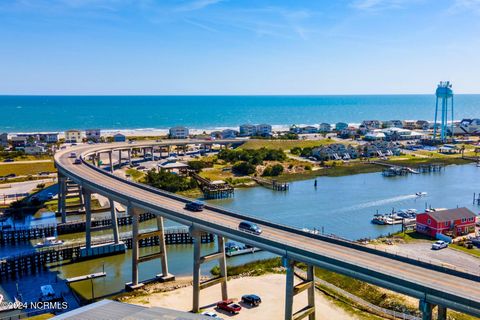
x=55 y=113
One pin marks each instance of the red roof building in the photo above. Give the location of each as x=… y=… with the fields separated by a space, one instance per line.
x=452 y=222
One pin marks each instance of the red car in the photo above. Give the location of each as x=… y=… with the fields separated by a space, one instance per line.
x=229 y=306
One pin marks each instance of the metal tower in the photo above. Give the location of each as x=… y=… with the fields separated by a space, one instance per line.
x=444 y=95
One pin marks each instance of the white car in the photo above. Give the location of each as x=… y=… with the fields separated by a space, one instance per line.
x=439 y=245
x=211 y=314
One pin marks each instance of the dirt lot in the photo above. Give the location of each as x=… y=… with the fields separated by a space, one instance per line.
x=269 y=287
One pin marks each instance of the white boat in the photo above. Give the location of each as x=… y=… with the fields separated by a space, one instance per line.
x=421 y=194
x=314 y=231
x=49 y=242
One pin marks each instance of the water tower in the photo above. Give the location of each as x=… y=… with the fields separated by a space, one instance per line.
x=444 y=95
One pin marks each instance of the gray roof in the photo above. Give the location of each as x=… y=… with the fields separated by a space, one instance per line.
x=108 y=309
x=451 y=214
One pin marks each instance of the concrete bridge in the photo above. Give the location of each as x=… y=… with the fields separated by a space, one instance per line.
x=434 y=285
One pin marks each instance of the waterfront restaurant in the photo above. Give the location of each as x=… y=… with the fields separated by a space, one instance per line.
x=452 y=222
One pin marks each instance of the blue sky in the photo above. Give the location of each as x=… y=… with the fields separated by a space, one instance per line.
x=238 y=46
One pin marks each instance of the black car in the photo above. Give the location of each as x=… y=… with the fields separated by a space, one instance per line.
x=8 y=160
x=251 y=299
x=250 y=227
x=194 y=205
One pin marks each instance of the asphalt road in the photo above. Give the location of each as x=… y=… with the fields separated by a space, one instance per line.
x=382 y=266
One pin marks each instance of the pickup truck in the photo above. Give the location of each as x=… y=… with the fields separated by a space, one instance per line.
x=229 y=306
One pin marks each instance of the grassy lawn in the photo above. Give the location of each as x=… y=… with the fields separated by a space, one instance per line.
x=255 y=268
x=52 y=205
x=135 y=174
x=217 y=172
x=28 y=157
x=284 y=144
x=21 y=169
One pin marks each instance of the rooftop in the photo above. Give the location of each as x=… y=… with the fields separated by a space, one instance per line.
x=119 y=311
x=451 y=214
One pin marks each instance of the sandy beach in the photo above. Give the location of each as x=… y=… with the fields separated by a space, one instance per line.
x=270 y=288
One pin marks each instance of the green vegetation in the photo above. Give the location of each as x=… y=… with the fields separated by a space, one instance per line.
x=255 y=268
x=21 y=156
x=21 y=169
x=273 y=171
x=284 y=144
x=243 y=168
x=473 y=251
x=169 y=181
x=198 y=165
x=52 y=205
x=253 y=156
x=135 y=174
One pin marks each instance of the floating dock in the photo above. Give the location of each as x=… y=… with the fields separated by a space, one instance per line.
x=86 y=277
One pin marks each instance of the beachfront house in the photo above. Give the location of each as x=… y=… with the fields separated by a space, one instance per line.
x=264 y=130
x=4 y=140
x=224 y=134
x=453 y=222
x=339 y=126
x=119 y=137
x=325 y=127
x=409 y=124
x=73 y=136
x=18 y=142
x=93 y=135
x=248 y=130
x=308 y=129
x=422 y=124
x=393 y=124
x=178 y=132
x=371 y=124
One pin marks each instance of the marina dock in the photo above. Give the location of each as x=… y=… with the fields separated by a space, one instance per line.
x=86 y=277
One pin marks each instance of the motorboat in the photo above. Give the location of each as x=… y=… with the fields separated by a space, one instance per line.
x=421 y=194
x=49 y=242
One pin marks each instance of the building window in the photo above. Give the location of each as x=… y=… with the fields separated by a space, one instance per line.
x=429 y=221
x=470 y=219
x=464 y=220
x=447 y=223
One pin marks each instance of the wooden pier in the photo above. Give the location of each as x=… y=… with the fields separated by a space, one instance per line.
x=86 y=277
x=37 y=261
x=272 y=184
x=212 y=189
x=25 y=234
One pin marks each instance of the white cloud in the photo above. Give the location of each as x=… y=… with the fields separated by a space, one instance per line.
x=198 y=5
x=375 y=5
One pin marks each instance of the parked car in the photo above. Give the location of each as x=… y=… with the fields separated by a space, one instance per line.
x=211 y=315
x=250 y=227
x=8 y=160
x=251 y=299
x=439 y=245
x=50 y=195
x=229 y=306
x=141 y=167
x=77 y=161
x=195 y=205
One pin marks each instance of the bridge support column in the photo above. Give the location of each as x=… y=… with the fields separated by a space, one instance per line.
x=111 y=161
x=119 y=158
x=292 y=290
x=198 y=259
x=441 y=313
x=426 y=309
x=62 y=194
x=137 y=259
x=113 y=214
x=165 y=275
x=130 y=156
x=135 y=221
x=87 y=196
